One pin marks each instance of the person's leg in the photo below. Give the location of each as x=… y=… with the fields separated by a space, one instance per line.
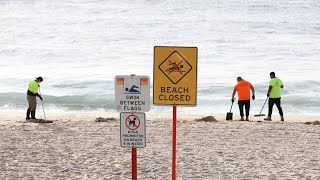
x=278 y=104
x=270 y=106
x=247 y=106
x=33 y=103
x=29 y=109
x=241 y=103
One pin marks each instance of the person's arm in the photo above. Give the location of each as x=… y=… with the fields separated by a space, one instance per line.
x=37 y=94
x=233 y=94
x=269 y=90
x=253 y=93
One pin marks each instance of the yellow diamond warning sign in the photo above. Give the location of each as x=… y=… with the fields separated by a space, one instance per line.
x=175 y=67
x=175 y=75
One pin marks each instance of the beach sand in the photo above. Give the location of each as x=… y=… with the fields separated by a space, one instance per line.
x=86 y=149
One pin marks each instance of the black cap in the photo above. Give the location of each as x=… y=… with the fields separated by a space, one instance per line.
x=39 y=79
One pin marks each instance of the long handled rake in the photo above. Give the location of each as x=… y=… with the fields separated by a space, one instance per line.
x=256 y=115
x=42 y=106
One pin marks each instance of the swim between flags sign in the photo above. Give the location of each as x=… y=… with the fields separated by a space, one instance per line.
x=175 y=75
x=132 y=93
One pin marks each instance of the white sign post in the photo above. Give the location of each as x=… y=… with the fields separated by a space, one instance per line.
x=132 y=93
x=132 y=130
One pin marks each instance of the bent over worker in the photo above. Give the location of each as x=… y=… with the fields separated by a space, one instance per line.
x=243 y=88
x=32 y=93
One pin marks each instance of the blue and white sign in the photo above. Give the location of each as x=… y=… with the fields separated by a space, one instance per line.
x=132 y=93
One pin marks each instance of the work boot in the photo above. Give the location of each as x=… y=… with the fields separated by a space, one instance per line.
x=28 y=114
x=268 y=118
x=282 y=119
x=33 y=114
x=247 y=119
x=241 y=119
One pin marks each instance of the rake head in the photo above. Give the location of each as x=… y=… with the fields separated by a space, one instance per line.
x=257 y=115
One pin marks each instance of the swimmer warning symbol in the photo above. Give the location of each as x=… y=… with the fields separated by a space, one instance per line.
x=175 y=75
x=132 y=130
x=175 y=67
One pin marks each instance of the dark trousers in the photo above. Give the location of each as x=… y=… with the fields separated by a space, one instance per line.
x=276 y=101
x=246 y=104
x=32 y=101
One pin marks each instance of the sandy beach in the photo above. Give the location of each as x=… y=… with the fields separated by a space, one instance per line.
x=86 y=149
x=90 y=58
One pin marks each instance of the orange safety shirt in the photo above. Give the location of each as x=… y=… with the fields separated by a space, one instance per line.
x=243 y=88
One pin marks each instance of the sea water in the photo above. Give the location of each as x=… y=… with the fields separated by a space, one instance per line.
x=79 y=46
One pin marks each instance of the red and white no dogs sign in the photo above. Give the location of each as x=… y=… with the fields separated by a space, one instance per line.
x=132 y=122
x=132 y=129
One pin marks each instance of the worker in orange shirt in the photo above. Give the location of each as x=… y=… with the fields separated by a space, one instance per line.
x=243 y=88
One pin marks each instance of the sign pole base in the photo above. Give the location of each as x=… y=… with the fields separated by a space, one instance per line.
x=134 y=164
x=174 y=142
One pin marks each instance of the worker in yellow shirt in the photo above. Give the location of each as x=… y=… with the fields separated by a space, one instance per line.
x=275 y=86
x=32 y=93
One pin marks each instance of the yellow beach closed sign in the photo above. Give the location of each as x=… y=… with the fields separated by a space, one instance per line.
x=175 y=75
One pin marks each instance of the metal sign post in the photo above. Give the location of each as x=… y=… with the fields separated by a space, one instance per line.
x=134 y=164
x=175 y=83
x=174 y=142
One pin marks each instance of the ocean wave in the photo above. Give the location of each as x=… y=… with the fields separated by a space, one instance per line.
x=77 y=102
x=215 y=102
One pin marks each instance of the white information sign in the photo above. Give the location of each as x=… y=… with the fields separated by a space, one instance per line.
x=132 y=93
x=132 y=130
